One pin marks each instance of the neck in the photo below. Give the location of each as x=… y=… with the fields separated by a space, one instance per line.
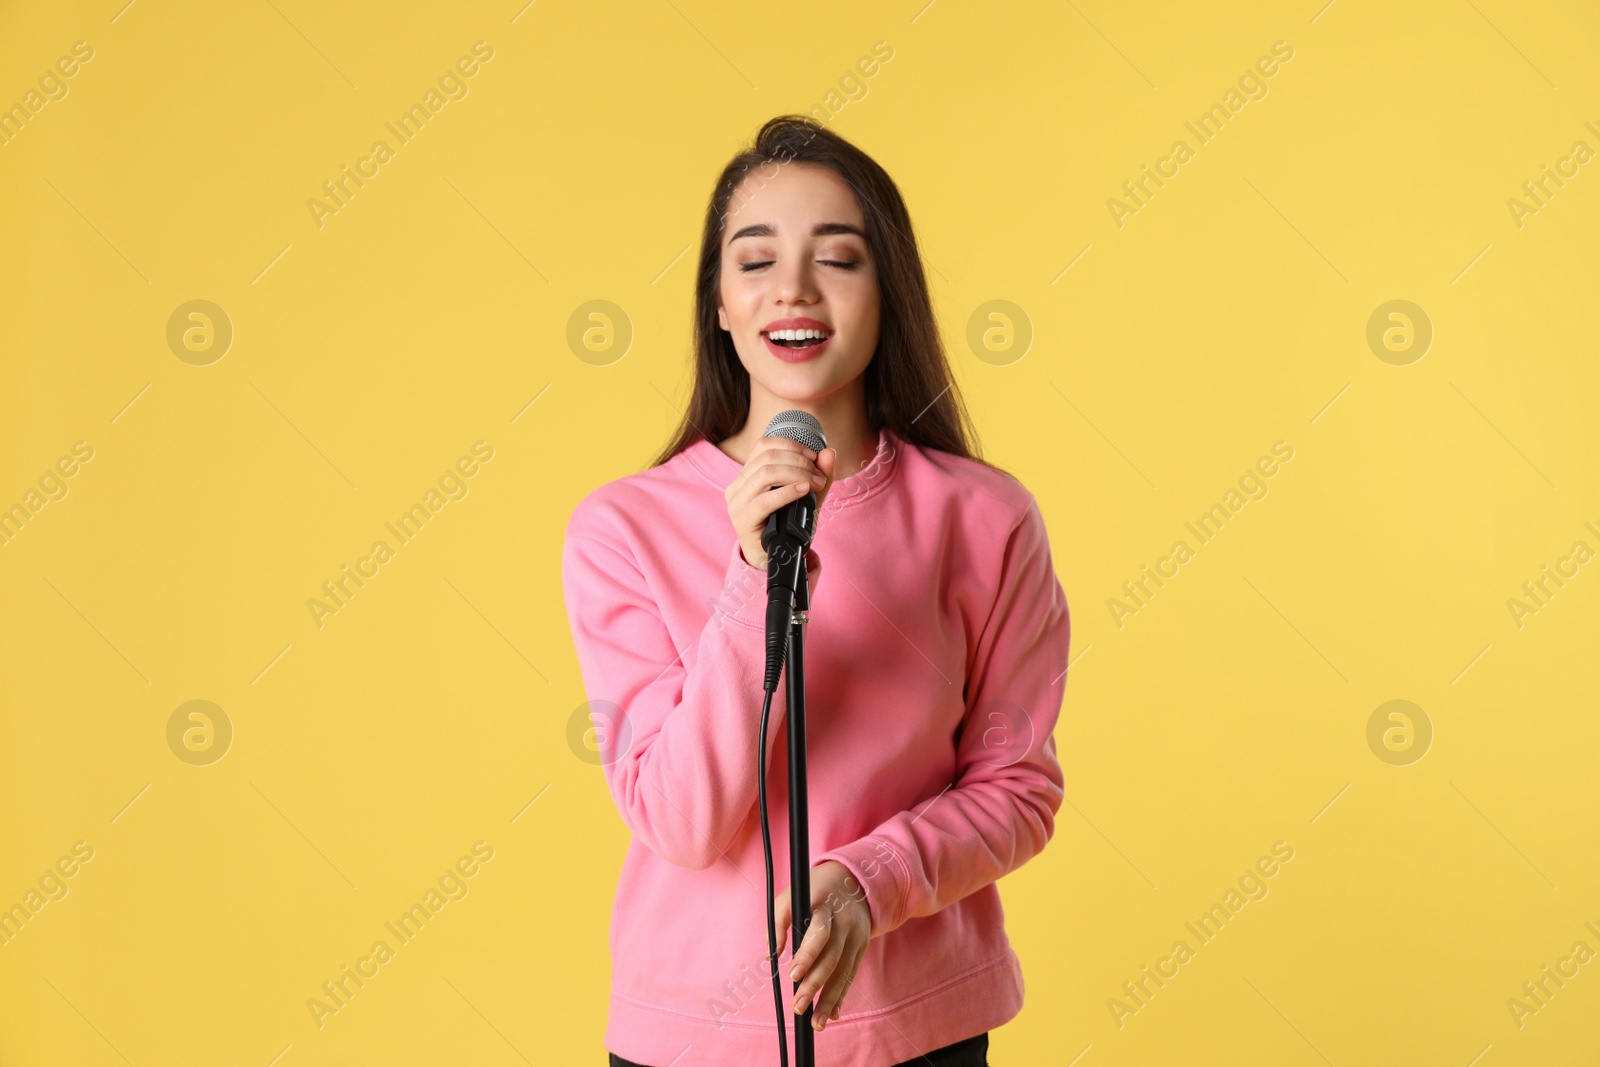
x=844 y=422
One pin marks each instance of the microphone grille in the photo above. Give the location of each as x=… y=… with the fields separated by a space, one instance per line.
x=799 y=426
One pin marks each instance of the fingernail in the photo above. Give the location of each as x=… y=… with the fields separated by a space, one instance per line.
x=809 y=454
x=818 y=479
x=816 y=1024
x=794 y=974
x=834 y=1014
x=801 y=487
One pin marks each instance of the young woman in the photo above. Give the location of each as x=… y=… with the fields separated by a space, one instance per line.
x=935 y=655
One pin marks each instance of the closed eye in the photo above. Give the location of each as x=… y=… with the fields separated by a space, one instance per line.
x=827 y=262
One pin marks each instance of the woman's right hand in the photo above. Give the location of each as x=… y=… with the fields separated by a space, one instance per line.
x=775 y=461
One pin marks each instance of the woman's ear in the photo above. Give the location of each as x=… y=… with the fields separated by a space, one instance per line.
x=722 y=318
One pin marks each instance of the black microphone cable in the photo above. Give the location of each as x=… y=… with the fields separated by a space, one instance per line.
x=772 y=917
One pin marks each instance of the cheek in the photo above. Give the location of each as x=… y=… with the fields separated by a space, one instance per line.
x=864 y=310
x=740 y=297
x=730 y=315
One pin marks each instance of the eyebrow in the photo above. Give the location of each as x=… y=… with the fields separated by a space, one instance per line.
x=821 y=229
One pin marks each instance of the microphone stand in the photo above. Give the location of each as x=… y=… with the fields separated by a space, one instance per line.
x=799 y=822
x=786 y=538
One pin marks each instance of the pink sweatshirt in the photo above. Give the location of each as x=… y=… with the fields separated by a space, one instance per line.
x=936 y=658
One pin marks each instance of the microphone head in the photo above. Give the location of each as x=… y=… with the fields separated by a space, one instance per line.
x=797 y=425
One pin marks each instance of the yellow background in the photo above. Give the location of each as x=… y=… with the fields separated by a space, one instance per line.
x=431 y=312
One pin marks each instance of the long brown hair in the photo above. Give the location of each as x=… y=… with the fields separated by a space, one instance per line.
x=908 y=387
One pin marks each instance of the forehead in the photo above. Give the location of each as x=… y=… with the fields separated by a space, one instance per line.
x=791 y=200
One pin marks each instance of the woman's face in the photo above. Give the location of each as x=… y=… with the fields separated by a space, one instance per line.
x=794 y=248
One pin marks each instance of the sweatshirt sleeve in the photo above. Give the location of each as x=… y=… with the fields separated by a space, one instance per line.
x=677 y=727
x=1000 y=809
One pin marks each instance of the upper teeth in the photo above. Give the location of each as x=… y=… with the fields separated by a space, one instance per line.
x=796 y=335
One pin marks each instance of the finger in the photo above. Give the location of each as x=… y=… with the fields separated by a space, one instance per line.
x=818 y=973
x=776 y=476
x=754 y=513
x=838 y=1005
x=825 y=487
x=774 y=469
x=812 y=945
x=780 y=921
x=765 y=472
x=816 y=980
x=775 y=444
x=757 y=477
x=838 y=983
x=813 y=572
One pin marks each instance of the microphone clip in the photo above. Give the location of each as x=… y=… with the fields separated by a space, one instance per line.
x=786 y=537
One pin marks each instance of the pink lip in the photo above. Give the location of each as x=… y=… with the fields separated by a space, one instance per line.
x=800 y=323
x=795 y=355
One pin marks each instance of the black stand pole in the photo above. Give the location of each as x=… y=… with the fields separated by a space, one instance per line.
x=799 y=823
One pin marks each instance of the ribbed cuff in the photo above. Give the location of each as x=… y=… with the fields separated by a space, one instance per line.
x=883 y=877
x=744 y=594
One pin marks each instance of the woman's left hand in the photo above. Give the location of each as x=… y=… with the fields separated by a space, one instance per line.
x=829 y=954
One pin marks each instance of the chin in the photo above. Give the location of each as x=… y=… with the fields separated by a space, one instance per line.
x=801 y=384
x=792 y=396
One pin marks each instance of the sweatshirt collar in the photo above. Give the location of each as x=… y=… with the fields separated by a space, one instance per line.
x=721 y=468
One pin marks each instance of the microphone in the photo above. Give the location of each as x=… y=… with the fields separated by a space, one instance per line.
x=785 y=538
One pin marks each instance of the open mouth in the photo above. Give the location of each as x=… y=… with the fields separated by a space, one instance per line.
x=798 y=340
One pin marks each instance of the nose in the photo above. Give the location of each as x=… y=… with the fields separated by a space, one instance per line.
x=796 y=282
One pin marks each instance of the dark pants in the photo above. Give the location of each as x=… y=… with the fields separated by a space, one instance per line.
x=973 y=1052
